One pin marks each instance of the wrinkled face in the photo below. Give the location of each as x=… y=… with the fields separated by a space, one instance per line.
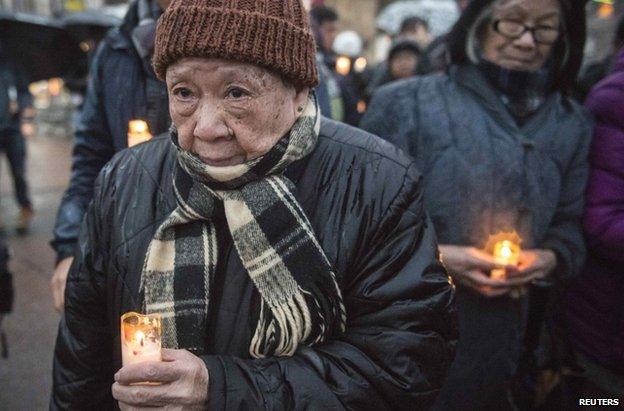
x=227 y=112
x=523 y=51
x=403 y=64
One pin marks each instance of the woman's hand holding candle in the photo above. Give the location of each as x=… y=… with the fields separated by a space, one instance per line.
x=182 y=383
x=471 y=267
x=533 y=265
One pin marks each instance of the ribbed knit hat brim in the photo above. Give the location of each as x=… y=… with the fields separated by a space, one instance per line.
x=251 y=37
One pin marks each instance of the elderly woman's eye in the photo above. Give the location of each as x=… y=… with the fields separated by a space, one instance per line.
x=182 y=92
x=236 y=93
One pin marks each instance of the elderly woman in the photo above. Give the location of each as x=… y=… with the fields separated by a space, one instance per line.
x=289 y=256
x=502 y=149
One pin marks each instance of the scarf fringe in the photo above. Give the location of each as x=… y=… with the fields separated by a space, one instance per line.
x=289 y=324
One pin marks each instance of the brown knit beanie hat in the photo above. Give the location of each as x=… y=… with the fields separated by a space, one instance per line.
x=274 y=34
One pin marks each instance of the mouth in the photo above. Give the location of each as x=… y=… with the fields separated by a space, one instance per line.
x=220 y=161
x=519 y=61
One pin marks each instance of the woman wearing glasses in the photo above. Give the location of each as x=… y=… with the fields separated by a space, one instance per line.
x=502 y=149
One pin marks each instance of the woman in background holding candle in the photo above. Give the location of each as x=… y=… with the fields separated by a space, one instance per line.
x=289 y=256
x=501 y=148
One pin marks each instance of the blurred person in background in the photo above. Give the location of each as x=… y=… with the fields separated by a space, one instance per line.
x=16 y=119
x=324 y=22
x=122 y=87
x=405 y=54
x=436 y=58
x=289 y=256
x=502 y=147
x=327 y=19
x=403 y=62
x=595 y=303
x=350 y=73
x=595 y=72
x=416 y=29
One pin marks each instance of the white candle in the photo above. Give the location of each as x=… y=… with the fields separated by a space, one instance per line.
x=140 y=338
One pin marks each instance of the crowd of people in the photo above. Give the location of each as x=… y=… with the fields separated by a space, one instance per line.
x=301 y=262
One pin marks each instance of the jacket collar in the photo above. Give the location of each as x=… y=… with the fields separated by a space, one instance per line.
x=470 y=77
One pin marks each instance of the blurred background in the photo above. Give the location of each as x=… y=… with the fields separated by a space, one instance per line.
x=53 y=42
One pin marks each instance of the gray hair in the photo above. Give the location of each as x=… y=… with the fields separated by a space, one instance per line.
x=473 y=44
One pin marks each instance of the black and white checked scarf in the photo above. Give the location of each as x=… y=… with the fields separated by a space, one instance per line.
x=301 y=302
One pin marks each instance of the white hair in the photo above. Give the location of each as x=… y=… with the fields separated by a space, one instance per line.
x=473 y=44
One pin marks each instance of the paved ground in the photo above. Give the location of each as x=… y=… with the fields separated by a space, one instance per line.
x=25 y=378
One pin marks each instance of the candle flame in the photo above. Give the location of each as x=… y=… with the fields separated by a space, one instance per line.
x=55 y=86
x=605 y=11
x=138 y=132
x=139 y=337
x=360 y=64
x=505 y=250
x=138 y=126
x=343 y=65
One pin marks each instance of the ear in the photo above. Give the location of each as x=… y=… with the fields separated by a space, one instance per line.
x=300 y=101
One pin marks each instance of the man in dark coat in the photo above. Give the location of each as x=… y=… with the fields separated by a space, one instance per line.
x=289 y=256
x=122 y=87
x=502 y=148
x=15 y=111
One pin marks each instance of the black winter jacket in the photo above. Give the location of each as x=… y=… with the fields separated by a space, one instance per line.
x=119 y=85
x=364 y=200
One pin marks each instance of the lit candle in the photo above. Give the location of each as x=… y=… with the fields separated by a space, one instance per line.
x=140 y=338
x=138 y=132
x=506 y=252
x=343 y=65
x=360 y=64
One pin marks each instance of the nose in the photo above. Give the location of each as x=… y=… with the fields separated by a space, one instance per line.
x=210 y=125
x=526 y=41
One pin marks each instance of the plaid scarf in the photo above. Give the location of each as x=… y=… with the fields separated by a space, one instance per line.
x=301 y=302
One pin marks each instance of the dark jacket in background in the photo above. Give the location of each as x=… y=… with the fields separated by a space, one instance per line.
x=117 y=93
x=483 y=173
x=595 y=303
x=364 y=201
x=10 y=79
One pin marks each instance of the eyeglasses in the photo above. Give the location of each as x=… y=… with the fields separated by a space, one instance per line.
x=514 y=29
